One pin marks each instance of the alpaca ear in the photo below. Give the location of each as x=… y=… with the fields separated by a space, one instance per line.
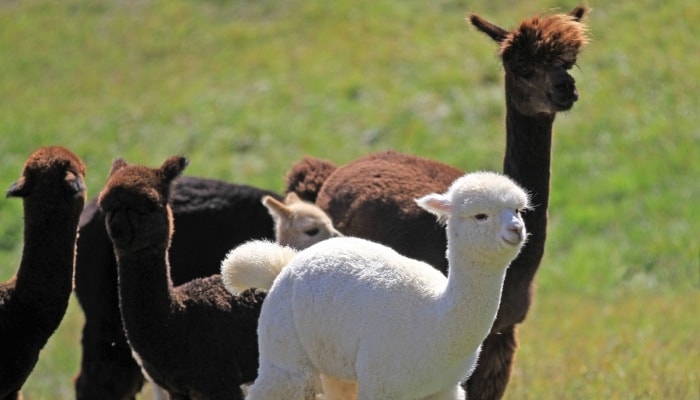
x=437 y=204
x=577 y=13
x=292 y=198
x=173 y=167
x=496 y=33
x=19 y=189
x=75 y=183
x=276 y=208
x=117 y=164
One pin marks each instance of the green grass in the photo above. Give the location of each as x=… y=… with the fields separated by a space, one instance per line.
x=246 y=88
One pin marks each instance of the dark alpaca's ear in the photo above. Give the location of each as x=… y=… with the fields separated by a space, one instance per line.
x=19 y=189
x=117 y=164
x=172 y=168
x=577 y=13
x=75 y=183
x=496 y=33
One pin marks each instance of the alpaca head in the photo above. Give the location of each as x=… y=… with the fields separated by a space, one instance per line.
x=482 y=211
x=298 y=223
x=536 y=57
x=135 y=202
x=52 y=175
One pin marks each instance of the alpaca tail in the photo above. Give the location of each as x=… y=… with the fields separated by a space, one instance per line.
x=306 y=177
x=254 y=264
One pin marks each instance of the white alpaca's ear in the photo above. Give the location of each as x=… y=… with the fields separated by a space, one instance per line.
x=437 y=204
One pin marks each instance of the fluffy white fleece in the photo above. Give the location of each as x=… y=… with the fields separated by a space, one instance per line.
x=357 y=311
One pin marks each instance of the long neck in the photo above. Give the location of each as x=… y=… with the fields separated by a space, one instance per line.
x=44 y=280
x=144 y=290
x=468 y=305
x=528 y=161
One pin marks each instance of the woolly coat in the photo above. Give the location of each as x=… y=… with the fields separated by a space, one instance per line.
x=211 y=216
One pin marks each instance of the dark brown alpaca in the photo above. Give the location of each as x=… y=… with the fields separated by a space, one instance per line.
x=212 y=217
x=33 y=302
x=372 y=197
x=196 y=340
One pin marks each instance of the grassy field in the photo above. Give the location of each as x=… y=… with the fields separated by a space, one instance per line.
x=246 y=88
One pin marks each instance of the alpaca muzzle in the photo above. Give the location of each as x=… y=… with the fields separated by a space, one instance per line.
x=564 y=93
x=119 y=227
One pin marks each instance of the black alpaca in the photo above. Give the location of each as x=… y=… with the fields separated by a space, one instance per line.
x=211 y=217
x=196 y=340
x=34 y=301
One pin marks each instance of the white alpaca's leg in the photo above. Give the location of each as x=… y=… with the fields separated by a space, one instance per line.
x=278 y=383
x=336 y=389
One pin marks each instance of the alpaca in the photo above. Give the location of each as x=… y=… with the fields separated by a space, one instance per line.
x=195 y=340
x=536 y=56
x=33 y=302
x=299 y=223
x=212 y=217
x=336 y=307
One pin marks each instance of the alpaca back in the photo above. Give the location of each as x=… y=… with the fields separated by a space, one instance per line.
x=307 y=176
x=373 y=198
x=357 y=275
x=348 y=302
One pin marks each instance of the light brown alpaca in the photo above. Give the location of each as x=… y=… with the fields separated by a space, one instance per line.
x=299 y=223
x=33 y=302
x=372 y=197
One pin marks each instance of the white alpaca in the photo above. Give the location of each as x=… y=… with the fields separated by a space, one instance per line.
x=357 y=311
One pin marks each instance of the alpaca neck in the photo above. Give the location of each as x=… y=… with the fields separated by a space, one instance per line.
x=527 y=161
x=45 y=277
x=144 y=288
x=468 y=305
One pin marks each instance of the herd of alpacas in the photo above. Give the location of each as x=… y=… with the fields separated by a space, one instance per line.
x=391 y=277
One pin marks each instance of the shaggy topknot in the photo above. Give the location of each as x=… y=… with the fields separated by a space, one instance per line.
x=551 y=40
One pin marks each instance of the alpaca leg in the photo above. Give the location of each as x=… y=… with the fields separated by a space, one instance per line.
x=279 y=383
x=107 y=369
x=490 y=378
x=336 y=389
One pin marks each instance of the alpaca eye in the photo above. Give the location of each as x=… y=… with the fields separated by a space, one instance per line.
x=524 y=71
x=481 y=217
x=312 y=232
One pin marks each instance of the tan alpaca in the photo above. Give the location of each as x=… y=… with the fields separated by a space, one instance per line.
x=298 y=223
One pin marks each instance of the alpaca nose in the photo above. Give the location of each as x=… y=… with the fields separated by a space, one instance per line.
x=567 y=87
x=564 y=93
x=513 y=228
x=517 y=229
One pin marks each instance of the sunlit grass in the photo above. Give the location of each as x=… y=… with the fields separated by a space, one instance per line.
x=629 y=345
